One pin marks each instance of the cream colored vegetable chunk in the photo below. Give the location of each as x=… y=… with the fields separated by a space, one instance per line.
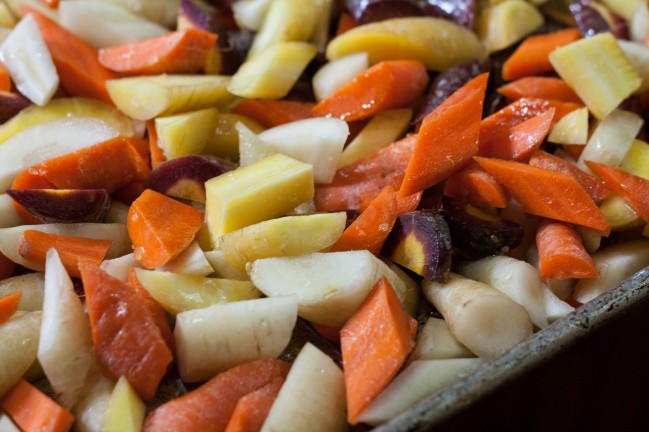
x=312 y=397
x=485 y=320
x=18 y=347
x=30 y=285
x=503 y=24
x=216 y=338
x=436 y=342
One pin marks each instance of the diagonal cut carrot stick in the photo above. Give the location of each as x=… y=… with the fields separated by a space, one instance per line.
x=183 y=51
x=33 y=246
x=546 y=193
x=539 y=88
x=386 y=85
x=477 y=187
x=561 y=252
x=447 y=139
x=252 y=409
x=526 y=137
x=532 y=55
x=33 y=411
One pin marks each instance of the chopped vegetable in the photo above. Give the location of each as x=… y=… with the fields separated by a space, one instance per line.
x=375 y=342
x=505 y=23
x=252 y=409
x=271 y=113
x=33 y=411
x=539 y=88
x=9 y=305
x=561 y=253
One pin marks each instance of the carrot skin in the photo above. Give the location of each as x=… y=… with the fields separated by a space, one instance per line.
x=561 y=252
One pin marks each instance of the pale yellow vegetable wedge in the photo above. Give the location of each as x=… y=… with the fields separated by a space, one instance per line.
x=597 y=70
x=385 y=128
x=438 y=43
x=625 y=8
x=186 y=134
x=638 y=55
x=7 y=19
x=618 y=213
x=271 y=73
x=286 y=236
x=502 y=25
x=267 y=189
x=338 y=73
x=286 y=21
x=125 y=411
x=67 y=107
x=636 y=160
x=571 y=129
x=251 y=148
x=178 y=293
x=163 y=12
x=225 y=139
x=146 y=97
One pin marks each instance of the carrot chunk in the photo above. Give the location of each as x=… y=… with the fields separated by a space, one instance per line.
x=8 y=306
x=532 y=56
x=209 y=407
x=126 y=337
x=271 y=113
x=539 y=88
x=561 y=252
x=477 y=187
x=595 y=187
x=386 y=85
x=375 y=342
x=33 y=411
x=183 y=51
x=252 y=409
x=161 y=228
x=546 y=193
x=33 y=246
x=495 y=129
x=76 y=62
x=5 y=79
x=447 y=139
x=372 y=226
x=526 y=137
x=109 y=165
x=633 y=189
x=155 y=310
x=356 y=185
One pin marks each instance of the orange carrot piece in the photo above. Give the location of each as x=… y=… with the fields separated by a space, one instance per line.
x=372 y=226
x=408 y=203
x=126 y=338
x=161 y=228
x=356 y=185
x=7 y=267
x=33 y=246
x=141 y=146
x=8 y=306
x=183 y=51
x=252 y=409
x=495 y=129
x=447 y=139
x=477 y=187
x=346 y=22
x=386 y=85
x=271 y=113
x=633 y=189
x=29 y=179
x=52 y=3
x=32 y=411
x=539 y=88
x=157 y=155
x=532 y=56
x=155 y=310
x=209 y=407
x=547 y=193
x=109 y=165
x=5 y=79
x=595 y=187
x=526 y=137
x=375 y=342
x=561 y=252
x=76 y=62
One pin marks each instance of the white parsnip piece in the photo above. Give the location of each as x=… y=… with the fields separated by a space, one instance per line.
x=485 y=320
x=515 y=278
x=436 y=342
x=30 y=285
x=18 y=347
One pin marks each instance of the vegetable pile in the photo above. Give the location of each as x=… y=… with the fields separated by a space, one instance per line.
x=290 y=215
